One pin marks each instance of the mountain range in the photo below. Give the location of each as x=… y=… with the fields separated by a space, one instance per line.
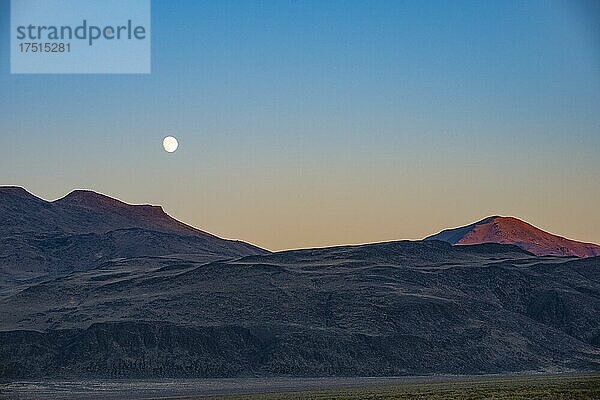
x=92 y=287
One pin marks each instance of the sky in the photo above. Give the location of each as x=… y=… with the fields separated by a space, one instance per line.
x=315 y=123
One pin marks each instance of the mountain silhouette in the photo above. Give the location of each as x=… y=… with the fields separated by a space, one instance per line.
x=85 y=229
x=510 y=230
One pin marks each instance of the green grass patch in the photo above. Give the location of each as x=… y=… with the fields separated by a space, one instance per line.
x=559 y=387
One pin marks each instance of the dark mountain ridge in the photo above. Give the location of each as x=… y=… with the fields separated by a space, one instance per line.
x=397 y=308
x=84 y=228
x=81 y=211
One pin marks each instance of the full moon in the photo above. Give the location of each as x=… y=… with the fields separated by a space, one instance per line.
x=170 y=144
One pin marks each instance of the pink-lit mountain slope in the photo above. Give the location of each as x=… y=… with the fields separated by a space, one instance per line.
x=510 y=230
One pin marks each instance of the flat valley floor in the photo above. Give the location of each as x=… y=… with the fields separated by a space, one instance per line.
x=564 y=386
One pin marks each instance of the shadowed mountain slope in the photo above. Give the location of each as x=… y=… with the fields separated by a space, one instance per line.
x=85 y=229
x=384 y=309
x=509 y=230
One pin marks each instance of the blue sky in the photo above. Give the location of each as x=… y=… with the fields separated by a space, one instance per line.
x=322 y=122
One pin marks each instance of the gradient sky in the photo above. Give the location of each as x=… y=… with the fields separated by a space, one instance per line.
x=312 y=123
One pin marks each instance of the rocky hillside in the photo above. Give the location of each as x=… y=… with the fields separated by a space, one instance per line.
x=384 y=309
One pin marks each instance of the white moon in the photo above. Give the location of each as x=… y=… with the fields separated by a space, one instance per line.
x=170 y=144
